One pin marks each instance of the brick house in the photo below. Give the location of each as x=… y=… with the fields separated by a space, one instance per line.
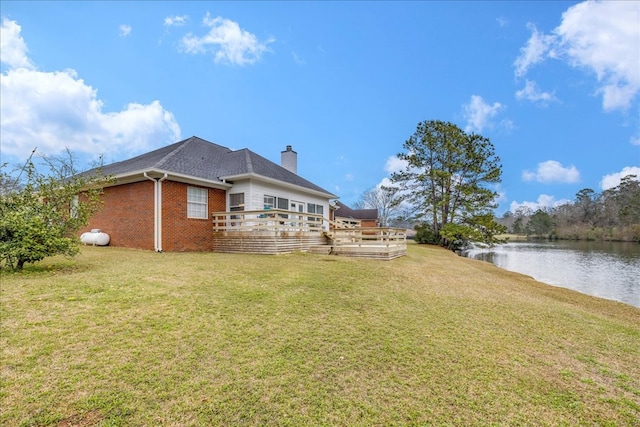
x=164 y=200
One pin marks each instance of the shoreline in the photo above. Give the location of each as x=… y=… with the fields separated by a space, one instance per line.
x=588 y=267
x=525 y=238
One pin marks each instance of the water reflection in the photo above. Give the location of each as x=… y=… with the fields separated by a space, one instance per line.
x=604 y=269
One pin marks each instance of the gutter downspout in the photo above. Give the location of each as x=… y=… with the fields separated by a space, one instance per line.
x=159 y=207
x=157 y=211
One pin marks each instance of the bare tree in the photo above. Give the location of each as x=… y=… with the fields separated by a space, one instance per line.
x=383 y=198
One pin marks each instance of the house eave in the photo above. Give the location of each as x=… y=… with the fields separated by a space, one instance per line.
x=139 y=175
x=278 y=182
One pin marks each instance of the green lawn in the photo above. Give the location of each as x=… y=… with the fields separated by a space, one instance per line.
x=134 y=338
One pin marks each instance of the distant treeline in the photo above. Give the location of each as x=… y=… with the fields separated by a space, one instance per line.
x=613 y=214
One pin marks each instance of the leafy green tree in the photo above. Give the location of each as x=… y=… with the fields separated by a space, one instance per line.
x=627 y=197
x=517 y=226
x=446 y=180
x=586 y=205
x=613 y=214
x=40 y=213
x=540 y=223
x=425 y=234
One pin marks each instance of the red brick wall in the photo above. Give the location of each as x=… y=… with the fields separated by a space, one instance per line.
x=180 y=233
x=127 y=215
x=368 y=223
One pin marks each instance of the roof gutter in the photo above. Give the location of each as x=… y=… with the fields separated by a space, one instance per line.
x=157 y=210
x=135 y=175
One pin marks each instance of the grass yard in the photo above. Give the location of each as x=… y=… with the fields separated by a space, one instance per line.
x=133 y=338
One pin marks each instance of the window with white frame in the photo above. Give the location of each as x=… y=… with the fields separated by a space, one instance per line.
x=284 y=205
x=269 y=202
x=197 y=202
x=236 y=202
x=315 y=209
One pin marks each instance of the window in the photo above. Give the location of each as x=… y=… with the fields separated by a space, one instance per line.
x=269 y=202
x=314 y=209
x=197 y=202
x=284 y=205
x=236 y=202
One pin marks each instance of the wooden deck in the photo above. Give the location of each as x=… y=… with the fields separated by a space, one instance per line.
x=280 y=231
x=370 y=242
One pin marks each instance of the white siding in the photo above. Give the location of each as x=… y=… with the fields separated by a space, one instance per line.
x=255 y=191
x=240 y=187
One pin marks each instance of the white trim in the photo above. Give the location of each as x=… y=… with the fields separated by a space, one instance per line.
x=205 y=203
x=139 y=175
x=280 y=183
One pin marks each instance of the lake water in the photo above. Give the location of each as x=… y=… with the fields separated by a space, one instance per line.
x=604 y=269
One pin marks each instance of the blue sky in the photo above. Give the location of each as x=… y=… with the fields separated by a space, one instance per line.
x=554 y=85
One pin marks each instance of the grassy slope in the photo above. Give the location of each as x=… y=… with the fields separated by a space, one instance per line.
x=123 y=337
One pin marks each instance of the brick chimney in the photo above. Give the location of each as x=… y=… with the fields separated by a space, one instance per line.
x=289 y=160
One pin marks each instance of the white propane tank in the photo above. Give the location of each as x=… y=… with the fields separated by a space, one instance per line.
x=95 y=237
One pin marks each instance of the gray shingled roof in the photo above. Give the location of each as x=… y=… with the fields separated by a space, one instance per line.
x=345 y=211
x=202 y=159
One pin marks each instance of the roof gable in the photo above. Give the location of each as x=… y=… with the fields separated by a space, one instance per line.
x=345 y=211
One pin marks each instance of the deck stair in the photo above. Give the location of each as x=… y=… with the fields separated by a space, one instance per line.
x=320 y=250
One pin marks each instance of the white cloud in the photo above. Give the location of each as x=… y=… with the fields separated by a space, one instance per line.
x=537 y=46
x=227 y=41
x=56 y=110
x=502 y=21
x=13 y=49
x=394 y=164
x=531 y=92
x=635 y=140
x=552 y=171
x=613 y=180
x=125 y=30
x=175 y=21
x=544 y=201
x=600 y=36
x=478 y=113
x=385 y=182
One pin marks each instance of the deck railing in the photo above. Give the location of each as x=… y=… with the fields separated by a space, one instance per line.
x=370 y=236
x=268 y=231
x=269 y=220
x=341 y=222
